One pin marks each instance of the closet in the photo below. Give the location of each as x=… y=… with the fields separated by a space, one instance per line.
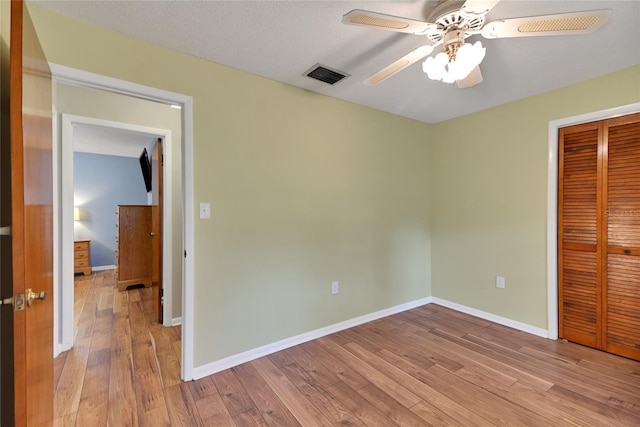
x=599 y=235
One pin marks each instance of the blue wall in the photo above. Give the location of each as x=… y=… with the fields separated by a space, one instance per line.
x=100 y=184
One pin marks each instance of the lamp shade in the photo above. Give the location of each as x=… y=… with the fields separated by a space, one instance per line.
x=442 y=67
x=76 y=213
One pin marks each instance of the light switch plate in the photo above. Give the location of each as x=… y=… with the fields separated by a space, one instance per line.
x=205 y=210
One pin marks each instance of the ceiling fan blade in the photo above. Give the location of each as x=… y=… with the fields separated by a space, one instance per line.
x=472 y=79
x=548 y=25
x=381 y=21
x=400 y=64
x=478 y=7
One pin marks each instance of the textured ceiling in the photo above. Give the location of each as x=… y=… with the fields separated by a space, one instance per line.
x=110 y=141
x=280 y=40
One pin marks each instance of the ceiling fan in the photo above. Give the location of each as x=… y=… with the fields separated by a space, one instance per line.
x=452 y=21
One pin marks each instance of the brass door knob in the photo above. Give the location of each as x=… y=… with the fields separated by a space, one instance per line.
x=31 y=296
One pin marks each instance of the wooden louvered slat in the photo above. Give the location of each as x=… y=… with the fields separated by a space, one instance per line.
x=623 y=185
x=578 y=307
x=623 y=305
x=579 y=177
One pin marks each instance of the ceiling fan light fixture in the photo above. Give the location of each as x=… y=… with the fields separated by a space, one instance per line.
x=455 y=62
x=435 y=66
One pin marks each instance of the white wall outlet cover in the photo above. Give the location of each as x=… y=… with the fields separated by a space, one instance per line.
x=500 y=282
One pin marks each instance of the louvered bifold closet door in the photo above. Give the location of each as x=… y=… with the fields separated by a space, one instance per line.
x=579 y=282
x=621 y=287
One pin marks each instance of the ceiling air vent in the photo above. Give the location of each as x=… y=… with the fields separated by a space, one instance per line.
x=325 y=74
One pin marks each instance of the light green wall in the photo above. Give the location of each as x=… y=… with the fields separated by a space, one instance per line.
x=489 y=201
x=125 y=109
x=305 y=189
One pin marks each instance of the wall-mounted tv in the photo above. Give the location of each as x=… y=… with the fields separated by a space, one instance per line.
x=145 y=165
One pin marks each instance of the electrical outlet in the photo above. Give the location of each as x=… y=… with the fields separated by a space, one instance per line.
x=335 y=287
x=500 y=282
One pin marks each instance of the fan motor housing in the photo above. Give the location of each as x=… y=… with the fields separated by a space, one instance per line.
x=448 y=15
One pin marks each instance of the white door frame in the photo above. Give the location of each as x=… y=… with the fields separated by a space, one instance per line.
x=65 y=318
x=552 y=202
x=82 y=78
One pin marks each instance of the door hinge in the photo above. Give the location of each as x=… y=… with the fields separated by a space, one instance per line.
x=5 y=231
x=16 y=301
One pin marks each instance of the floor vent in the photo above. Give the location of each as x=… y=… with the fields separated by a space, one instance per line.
x=325 y=74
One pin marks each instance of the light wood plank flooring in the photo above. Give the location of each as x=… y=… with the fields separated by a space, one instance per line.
x=426 y=366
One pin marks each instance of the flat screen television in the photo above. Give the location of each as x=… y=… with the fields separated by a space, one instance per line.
x=145 y=165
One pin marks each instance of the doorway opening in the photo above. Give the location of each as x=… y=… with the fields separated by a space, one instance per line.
x=83 y=79
x=93 y=139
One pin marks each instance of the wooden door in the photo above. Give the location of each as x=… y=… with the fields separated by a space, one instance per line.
x=599 y=235
x=27 y=249
x=579 y=283
x=621 y=237
x=156 y=227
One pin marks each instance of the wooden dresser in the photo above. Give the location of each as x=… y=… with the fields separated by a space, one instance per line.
x=82 y=256
x=133 y=246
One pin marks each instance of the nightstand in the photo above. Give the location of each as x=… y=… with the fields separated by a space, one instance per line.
x=82 y=256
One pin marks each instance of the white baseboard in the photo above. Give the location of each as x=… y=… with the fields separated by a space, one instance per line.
x=61 y=348
x=176 y=321
x=247 y=356
x=534 y=330
x=102 y=267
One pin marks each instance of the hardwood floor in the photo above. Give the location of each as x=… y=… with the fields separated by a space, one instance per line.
x=426 y=366
x=123 y=364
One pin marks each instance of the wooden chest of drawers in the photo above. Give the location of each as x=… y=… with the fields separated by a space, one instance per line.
x=133 y=246
x=82 y=256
